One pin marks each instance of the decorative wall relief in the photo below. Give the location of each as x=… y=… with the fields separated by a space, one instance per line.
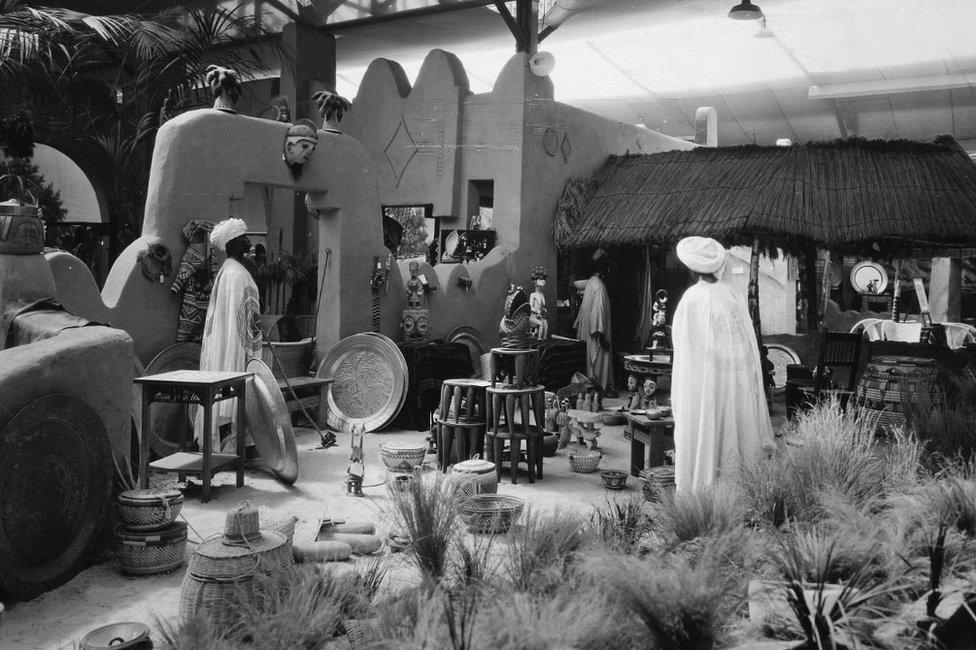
x=300 y=144
x=400 y=150
x=555 y=143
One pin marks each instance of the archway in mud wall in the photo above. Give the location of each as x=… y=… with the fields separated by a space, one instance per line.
x=201 y=164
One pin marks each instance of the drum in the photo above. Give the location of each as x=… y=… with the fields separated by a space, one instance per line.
x=892 y=383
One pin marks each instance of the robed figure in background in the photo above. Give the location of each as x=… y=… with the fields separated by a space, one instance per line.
x=593 y=325
x=232 y=333
x=717 y=397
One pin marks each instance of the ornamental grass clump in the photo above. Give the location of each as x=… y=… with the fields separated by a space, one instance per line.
x=826 y=451
x=621 y=523
x=679 y=604
x=192 y=634
x=542 y=548
x=427 y=513
x=299 y=607
x=710 y=511
x=947 y=427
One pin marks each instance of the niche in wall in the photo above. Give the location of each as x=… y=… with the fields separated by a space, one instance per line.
x=418 y=228
x=481 y=203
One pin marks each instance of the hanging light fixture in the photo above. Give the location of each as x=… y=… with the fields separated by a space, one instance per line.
x=745 y=10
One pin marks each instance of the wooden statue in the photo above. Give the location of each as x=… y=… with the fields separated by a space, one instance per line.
x=414 y=320
x=537 y=304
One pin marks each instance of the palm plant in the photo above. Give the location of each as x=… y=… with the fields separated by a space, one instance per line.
x=101 y=86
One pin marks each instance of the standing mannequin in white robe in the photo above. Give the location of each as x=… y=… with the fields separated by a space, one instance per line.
x=717 y=398
x=232 y=333
x=593 y=326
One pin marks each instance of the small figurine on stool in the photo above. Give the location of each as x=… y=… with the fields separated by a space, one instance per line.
x=415 y=321
x=356 y=470
x=635 y=400
x=537 y=303
x=648 y=390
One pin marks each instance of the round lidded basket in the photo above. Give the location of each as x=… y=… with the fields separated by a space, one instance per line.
x=151 y=552
x=402 y=456
x=584 y=462
x=614 y=479
x=146 y=510
x=475 y=476
x=658 y=482
x=491 y=513
x=222 y=564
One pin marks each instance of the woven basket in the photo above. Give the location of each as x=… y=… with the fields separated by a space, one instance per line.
x=471 y=477
x=288 y=359
x=402 y=457
x=614 y=479
x=491 y=513
x=216 y=570
x=658 y=483
x=147 y=510
x=362 y=633
x=147 y=553
x=584 y=462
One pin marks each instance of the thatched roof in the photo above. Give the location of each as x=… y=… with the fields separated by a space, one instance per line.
x=843 y=195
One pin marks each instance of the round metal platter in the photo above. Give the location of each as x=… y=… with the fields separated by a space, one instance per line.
x=55 y=486
x=370 y=384
x=780 y=356
x=169 y=421
x=471 y=337
x=269 y=422
x=866 y=273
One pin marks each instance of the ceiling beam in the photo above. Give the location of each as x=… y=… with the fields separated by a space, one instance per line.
x=853 y=89
x=422 y=12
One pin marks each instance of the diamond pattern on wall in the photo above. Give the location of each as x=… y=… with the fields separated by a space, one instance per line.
x=400 y=150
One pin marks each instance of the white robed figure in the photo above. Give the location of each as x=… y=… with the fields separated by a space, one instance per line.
x=717 y=397
x=232 y=332
x=593 y=325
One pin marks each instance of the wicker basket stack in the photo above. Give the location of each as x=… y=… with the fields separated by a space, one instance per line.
x=227 y=563
x=150 y=540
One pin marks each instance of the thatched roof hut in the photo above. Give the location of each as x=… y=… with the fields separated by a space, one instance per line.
x=893 y=196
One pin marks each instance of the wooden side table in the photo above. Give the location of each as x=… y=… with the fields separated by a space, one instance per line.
x=193 y=387
x=649 y=435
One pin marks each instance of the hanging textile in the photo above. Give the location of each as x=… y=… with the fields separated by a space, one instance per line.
x=646 y=298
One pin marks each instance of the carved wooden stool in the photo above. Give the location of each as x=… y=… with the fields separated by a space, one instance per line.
x=514 y=368
x=511 y=412
x=460 y=420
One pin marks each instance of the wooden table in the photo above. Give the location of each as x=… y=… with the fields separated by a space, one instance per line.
x=648 y=434
x=193 y=387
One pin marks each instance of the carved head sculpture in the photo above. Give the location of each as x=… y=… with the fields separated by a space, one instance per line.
x=631 y=383
x=300 y=144
x=539 y=276
x=649 y=386
x=226 y=87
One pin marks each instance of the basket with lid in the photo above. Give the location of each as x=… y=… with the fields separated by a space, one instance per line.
x=145 y=510
x=230 y=561
x=149 y=552
x=475 y=476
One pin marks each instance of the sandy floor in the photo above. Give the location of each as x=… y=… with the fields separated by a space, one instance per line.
x=103 y=595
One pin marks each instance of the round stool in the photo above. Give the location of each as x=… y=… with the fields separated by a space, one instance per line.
x=460 y=420
x=514 y=368
x=510 y=418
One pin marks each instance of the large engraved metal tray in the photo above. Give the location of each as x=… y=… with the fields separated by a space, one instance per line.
x=269 y=422
x=370 y=381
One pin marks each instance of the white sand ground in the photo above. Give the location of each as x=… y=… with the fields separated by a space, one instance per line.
x=103 y=594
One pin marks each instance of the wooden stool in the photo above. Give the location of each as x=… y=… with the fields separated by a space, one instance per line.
x=513 y=368
x=504 y=403
x=460 y=420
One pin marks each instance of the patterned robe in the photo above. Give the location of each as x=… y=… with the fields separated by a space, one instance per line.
x=193 y=279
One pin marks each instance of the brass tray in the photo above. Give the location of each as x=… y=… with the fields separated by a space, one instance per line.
x=168 y=421
x=370 y=381
x=269 y=422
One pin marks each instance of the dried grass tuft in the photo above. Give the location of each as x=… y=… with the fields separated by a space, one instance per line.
x=712 y=511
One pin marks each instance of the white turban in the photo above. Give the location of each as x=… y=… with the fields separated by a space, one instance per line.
x=702 y=254
x=227 y=230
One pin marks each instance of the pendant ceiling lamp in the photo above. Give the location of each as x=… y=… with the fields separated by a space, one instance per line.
x=745 y=11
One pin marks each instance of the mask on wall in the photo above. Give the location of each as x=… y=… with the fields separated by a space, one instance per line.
x=300 y=144
x=415 y=324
